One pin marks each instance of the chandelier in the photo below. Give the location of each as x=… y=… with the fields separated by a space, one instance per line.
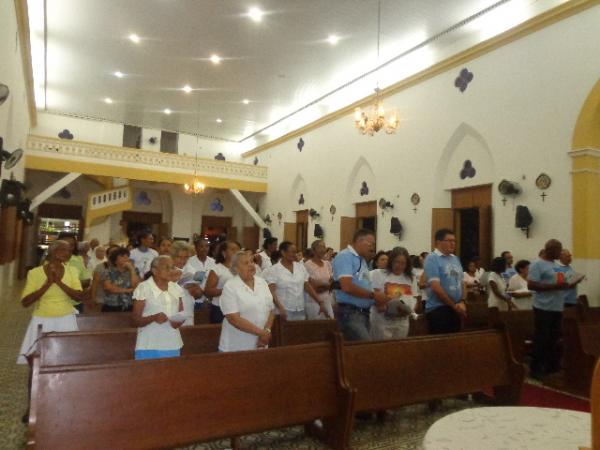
x=371 y=123
x=376 y=120
x=196 y=186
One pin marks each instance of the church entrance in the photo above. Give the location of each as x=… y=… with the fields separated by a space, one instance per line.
x=471 y=219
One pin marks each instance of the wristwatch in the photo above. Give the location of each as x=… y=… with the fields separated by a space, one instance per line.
x=268 y=330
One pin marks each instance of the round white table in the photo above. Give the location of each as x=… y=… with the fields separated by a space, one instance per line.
x=510 y=428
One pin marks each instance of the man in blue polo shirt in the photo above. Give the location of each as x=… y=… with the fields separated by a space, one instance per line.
x=564 y=266
x=548 y=305
x=354 y=294
x=445 y=305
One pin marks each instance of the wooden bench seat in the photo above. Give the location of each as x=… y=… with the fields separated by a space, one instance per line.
x=298 y=332
x=109 y=346
x=166 y=403
x=388 y=374
x=581 y=352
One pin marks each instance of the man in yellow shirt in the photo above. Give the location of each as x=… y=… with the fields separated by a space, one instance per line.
x=51 y=288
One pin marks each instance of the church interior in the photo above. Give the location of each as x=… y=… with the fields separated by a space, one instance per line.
x=175 y=274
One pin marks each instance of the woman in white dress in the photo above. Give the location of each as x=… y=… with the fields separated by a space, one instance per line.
x=247 y=305
x=219 y=274
x=517 y=286
x=321 y=278
x=288 y=280
x=399 y=284
x=497 y=296
x=158 y=312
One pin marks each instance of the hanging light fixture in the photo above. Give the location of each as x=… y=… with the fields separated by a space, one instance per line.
x=371 y=123
x=196 y=186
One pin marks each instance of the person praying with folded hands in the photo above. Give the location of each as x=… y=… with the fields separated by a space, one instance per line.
x=158 y=312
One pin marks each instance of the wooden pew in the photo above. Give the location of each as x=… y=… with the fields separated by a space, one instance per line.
x=389 y=374
x=303 y=331
x=581 y=353
x=520 y=327
x=478 y=316
x=168 y=403
x=107 y=321
x=110 y=346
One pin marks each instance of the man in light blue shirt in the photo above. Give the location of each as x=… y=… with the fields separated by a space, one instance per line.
x=548 y=304
x=564 y=266
x=445 y=307
x=354 y=294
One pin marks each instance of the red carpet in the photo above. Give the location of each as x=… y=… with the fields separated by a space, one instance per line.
x=532 y=395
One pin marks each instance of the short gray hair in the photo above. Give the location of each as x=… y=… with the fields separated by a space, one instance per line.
x=156 y=261
x=179 y=246
x=235 y=259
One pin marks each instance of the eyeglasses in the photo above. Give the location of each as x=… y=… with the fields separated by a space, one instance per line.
x=449 y=240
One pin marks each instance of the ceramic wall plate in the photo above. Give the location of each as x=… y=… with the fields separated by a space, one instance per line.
x=543 y=181
x=415 y=199
x=332 y=210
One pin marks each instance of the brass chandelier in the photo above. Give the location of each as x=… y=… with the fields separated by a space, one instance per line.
x=371 y=123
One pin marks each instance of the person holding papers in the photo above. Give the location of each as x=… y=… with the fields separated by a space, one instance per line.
x=158 y=312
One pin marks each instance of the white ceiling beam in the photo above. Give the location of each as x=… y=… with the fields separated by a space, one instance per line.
x=249 y=209
x=53 y=189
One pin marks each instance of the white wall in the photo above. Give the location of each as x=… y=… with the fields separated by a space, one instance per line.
x=110 y=133
x=514 y=121
x=14 y=116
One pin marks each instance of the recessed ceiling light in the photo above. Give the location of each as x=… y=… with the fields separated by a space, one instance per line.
x=215 y=59
x=255 y=14
x=219 y=120
x=119 y=74
x=108 y=100
x=134 y=38
x=187 y=89
x=333 y=39
x=167 y=111
x=245 y=101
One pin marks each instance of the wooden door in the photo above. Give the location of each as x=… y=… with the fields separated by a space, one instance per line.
x=164 y=230
x=250 y=237
x=347 y=229
x=289 y=232
x=232 y=234
x=301 y=229
x=8 y=226
x=485 y=235
x=441 y=218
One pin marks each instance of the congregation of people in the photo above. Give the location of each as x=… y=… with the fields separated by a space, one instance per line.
x=373 y=296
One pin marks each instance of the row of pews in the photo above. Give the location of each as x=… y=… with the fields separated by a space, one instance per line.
x=88 y=392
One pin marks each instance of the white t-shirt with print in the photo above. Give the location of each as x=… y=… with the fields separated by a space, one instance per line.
x=158 y=336
x=254 y=305
x=223 y=274
x=199 y=270
x=142 y=259
x=493 y=300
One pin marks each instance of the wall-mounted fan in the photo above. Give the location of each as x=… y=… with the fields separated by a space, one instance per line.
x=509 y=188
x=4 y=93
x=8 y=159
x=384 y=204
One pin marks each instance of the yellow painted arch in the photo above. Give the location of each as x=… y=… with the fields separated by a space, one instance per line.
x=587 y=128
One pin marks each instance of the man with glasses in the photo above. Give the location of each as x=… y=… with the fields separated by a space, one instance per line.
x=445 y=307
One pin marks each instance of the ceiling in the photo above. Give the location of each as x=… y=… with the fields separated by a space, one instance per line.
x=279 y=64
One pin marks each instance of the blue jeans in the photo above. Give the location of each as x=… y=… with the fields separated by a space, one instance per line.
x=353 y=322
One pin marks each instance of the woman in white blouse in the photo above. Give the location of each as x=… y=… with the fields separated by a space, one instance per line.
x=288 y=280
x=180 y=252
x=517 y=286
x=321 y=277
x=157 y=311
x=218 y=276
x=497 y=296
x=247 y=305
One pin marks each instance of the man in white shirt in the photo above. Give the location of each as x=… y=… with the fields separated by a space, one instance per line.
x=199 y=266
x=143 y=254
x=269 y=246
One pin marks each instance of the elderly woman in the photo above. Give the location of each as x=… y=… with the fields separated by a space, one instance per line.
x=247 y=305
x=180 y=253
x=288 y=280
x=158 y=312
x=51 y=288
x=517 y=286
x=321 y=276
x=400 y=285
x=119 y=281
x=218 y=276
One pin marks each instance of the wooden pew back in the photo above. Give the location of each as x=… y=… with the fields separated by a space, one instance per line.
x=110 y=346
x=520 y=327
x=112 y=320
x=303 y=331
x=167 y=403
x=389 y=374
